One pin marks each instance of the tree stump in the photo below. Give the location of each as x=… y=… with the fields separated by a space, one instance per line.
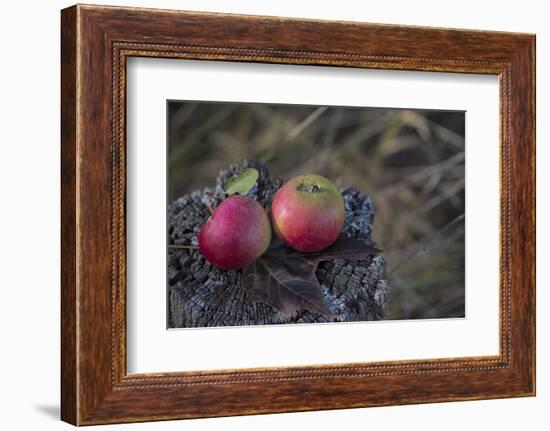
x=200 y=294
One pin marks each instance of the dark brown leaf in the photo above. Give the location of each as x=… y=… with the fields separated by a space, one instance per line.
x=285 y=278
x=343 y=248
x=286 y=283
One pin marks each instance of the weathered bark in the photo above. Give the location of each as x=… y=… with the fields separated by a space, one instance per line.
x=202 y=295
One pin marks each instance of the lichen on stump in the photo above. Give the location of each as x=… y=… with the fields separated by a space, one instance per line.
x=200 y=294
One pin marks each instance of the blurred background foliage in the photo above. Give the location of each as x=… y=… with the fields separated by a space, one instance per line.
x=410 y=162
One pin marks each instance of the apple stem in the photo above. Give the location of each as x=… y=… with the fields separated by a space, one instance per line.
x=311 y=188
x=210 y=209
x=188 y=247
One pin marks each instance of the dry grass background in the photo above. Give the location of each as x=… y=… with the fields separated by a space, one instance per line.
x=411 y=163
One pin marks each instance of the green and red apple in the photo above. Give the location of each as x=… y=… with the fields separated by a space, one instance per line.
x=308 y=213
x=236 y=234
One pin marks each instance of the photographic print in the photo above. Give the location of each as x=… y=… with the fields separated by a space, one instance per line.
x=313 y=214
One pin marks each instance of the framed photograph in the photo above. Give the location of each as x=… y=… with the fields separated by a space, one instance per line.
x=327 y=214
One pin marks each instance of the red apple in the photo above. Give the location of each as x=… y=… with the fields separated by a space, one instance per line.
x=308 y=213
x=236 y=234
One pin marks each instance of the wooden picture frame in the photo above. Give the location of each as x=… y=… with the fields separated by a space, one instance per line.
x=95 y=43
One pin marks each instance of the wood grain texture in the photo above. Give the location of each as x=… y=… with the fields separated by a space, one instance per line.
x=201 y=296
x=96 y=41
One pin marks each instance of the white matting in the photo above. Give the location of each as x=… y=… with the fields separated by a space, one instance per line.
x=153 y=348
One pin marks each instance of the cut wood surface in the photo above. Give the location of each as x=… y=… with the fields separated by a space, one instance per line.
x=200 y=294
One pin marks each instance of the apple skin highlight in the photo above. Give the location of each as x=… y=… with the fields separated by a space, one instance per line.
x=308 y=213
x=236 y=234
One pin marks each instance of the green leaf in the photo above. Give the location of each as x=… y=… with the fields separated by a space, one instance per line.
x=242 y=182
